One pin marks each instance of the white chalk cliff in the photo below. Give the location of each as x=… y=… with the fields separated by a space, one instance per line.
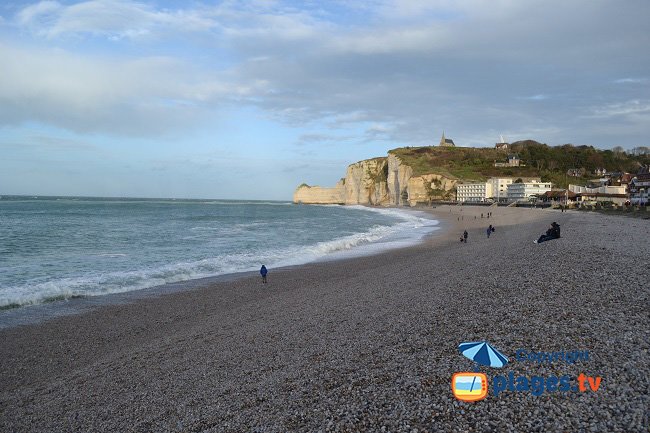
x=384 y=181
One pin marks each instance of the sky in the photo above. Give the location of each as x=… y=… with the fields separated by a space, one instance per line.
x=249 y=99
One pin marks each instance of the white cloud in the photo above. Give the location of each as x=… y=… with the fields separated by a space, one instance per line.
x=627 y=108
x=630 y=80
x=38 y=12
x=395 y=40
x=538 y=97
x=142 y=96
x=416 y=66
x=114 y=19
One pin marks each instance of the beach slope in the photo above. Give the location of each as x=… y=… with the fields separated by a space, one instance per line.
x=359 y=344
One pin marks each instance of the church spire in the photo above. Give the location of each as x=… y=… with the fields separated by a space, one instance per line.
x=444 y=141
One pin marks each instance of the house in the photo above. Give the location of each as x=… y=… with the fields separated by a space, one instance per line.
x=513 y=161
x=501 y=145
x=600 y=171
x=605 y=193
x=559 y=196
x=575 y=172
x=640 y=187
x=626 y=178
x=446 y=142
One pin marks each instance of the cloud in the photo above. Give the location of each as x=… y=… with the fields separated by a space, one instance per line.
x=323 y=138
x=115 y=19
x=50 y=143
x=538 y=97
x=149 y=95
x=627 y=108
x=413 y=67
x=630 y=80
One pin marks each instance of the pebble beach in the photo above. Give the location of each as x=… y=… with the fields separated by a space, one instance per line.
x=362 y=344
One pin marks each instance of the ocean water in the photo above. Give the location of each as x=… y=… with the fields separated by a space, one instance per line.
x=54 y=248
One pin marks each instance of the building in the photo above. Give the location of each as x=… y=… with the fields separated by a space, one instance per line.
x=560 y=196
x=500 y=187
x=640 y=187
x=600 y=171
x=624 y=179
x=494 y=189
x=473 y=192
x=446 y=142
x=614 y=194
x=502 y=145
x=527 y=190
x=513 y=161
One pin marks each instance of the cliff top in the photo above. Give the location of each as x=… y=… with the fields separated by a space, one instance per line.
x=548 y=162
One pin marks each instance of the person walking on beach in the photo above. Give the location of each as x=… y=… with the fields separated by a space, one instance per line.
x=489 y=231
x=465 y=236
x=263 y=272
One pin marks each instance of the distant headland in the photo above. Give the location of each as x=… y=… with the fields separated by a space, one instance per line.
x=523 y=170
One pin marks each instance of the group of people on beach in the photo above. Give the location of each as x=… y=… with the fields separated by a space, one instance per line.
x=489 y=231
x=553 y=232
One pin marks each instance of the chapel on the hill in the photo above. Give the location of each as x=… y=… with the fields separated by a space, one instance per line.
x=446 y=141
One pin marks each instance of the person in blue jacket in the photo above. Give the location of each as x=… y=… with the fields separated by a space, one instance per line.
x=263 y=272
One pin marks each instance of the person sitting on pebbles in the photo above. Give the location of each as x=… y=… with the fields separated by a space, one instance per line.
x=553 y=232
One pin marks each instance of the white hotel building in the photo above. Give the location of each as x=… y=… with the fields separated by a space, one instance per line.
x=526 y=190
x=500 y=189
x=473 y=192
x=496 y=188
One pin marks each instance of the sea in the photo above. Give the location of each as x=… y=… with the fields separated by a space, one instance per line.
x=57 y=248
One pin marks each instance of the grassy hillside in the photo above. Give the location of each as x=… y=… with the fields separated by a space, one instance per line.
x=549 y=163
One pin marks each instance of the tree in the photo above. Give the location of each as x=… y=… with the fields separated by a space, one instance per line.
x=618 y=151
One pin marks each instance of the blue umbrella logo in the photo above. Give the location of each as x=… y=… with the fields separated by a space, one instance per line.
x=483 y=353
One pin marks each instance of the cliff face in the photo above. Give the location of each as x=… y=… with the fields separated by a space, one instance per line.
x=423 y=189
x=365 y=182
x=317 y=195
x=379 y=181
x=398 y=177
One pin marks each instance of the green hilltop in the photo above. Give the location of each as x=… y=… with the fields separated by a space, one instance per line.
x=551 y=163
